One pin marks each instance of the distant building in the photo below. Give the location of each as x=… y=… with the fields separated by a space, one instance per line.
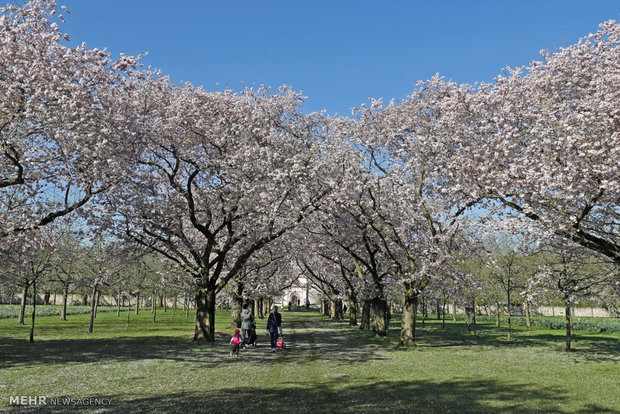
x=300 y=292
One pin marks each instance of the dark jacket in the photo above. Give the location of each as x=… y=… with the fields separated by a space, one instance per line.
x=274 y=320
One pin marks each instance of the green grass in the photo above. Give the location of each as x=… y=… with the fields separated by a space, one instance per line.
x=327 y=367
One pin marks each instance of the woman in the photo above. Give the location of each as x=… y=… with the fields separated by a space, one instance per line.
x=273 y=323
x=246 y=325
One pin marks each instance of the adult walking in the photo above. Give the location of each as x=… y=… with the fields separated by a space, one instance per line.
x=274 y=326
x=246 y=325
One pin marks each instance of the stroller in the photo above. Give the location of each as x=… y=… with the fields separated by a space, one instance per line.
x=280 y=342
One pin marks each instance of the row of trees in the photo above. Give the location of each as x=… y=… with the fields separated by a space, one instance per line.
x=242 y=191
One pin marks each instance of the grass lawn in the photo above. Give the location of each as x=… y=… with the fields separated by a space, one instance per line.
x=327 y=367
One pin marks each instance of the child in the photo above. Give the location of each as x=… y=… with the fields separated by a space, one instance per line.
x=235 y=342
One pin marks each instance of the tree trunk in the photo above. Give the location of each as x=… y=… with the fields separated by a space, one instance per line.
x=187 y=308
x=353 y=308
x=443 y=313
x=338 y=309
x=22 y=308
x=65 y=294
x=453 y=310
x=137 y=302
x=97 y=303
x=128 y=311
x=509 y=320
x=165 y=302
x=118 y=303
x=34 y=309
x=528 y=319
x=256 y=308
x=46 y=298
x=438 y=309
x=498 y=319
x=265 y=307
x=160 y=300
x=154 y=304
x=84 y=300
x=174 y=306
x=93 y=306
x=407 y=326
x=378 y=309
x=365 y=324
x=235 y=311
x=205 y=315
x=569 y=323
x=473 y=315
x=572 y=330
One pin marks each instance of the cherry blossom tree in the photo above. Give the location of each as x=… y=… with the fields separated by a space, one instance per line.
x=541 y=144
x=572 y=273
x=221 y=176
x=61 y=118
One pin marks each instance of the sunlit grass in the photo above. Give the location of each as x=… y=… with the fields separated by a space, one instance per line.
x=328 y=366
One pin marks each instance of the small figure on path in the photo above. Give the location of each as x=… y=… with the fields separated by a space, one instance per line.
x=274 y=326
x=290 y=303
x=344 y=310
x=235 y=342
x=388 y=316
x=247 y=319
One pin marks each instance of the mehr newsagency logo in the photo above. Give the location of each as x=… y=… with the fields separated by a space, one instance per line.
x=42 y=400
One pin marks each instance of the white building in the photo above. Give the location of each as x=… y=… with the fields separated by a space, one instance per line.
x=301 y=292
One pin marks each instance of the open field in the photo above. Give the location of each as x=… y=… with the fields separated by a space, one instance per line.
x=327 y=367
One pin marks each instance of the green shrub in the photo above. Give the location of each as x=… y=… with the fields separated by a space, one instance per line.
x=12 y=311
x=596 y=325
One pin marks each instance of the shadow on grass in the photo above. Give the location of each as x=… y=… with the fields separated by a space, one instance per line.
x=344 y=396
x=309 y=336
x=592 y=347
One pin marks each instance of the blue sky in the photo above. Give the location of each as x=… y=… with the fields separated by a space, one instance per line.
x=338 y=53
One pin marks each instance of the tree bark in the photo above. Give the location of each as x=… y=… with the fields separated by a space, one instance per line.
x=34 y=309
x=22 y=308
x=453 y=310
x=569 y=323
x=443 y=313
x=154 y=310
x=137 y=302
x=65 y=294
x=187 y=308
x=93 y=306
x=256 y=308
x=338 y=309
x=174 y=306
x=365 y=323
x=118 y=303
x=378 y=309
x=205 y=315
x=353 y=308
x=235 y=311
x=498 y=319
x=128 y=311
x=265 y=307
x=97 y=303
x=528 y=318
x=407 y=326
